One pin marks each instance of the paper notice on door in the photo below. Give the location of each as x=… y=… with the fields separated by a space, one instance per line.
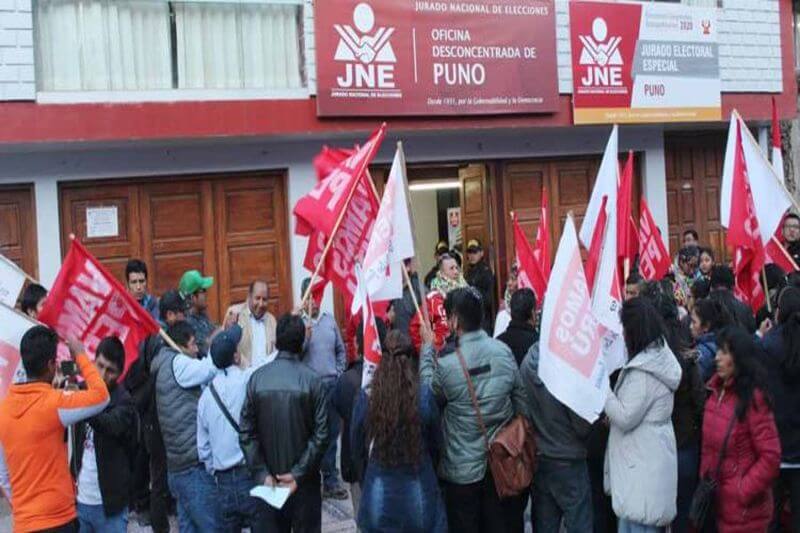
x=274 y=496
x=102 y=222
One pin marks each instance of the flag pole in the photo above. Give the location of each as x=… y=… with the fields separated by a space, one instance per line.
x=766 y=289
x=336 y=227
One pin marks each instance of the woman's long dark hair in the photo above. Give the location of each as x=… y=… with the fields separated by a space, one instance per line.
x=712 y=314
x=677 y=335
x=641 y=324
x=393 y=423
x=789 y=318
x=749 y=374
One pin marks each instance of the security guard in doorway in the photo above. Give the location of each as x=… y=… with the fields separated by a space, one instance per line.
x=480 y=276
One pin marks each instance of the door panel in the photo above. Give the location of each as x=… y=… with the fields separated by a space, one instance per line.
x=18 y=227
x=231 y=227
x=475 y=213
x=523 y=196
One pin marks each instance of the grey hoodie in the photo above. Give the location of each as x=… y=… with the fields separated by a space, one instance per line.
x=560 y=433
x=641 y=466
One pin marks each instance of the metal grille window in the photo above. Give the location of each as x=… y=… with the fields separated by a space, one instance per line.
x=158 y=45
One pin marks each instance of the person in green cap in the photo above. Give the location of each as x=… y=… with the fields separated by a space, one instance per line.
x=194 y=287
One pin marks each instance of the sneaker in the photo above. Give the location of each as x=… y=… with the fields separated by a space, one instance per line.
x=335 y=491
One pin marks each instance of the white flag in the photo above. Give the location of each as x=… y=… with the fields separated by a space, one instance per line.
x=571 y=362
x=15 y=325
x=607 y=295
x=770 y=198
x=605 y=185
x=392 y=239
x=12 y=278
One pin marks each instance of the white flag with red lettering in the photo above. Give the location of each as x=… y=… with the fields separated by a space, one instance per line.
x=372 y=343
x=571 y=362
x=392 y=239
x=12 y=278
x=15 y=325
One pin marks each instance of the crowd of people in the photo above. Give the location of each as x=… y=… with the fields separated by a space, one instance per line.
x=709 y=394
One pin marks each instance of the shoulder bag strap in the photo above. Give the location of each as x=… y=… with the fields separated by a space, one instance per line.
x=725 y=445
x=473 y=397
x=223 y=408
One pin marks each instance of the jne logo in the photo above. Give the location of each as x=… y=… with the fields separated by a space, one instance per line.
x=368 y=56
x=601 y=56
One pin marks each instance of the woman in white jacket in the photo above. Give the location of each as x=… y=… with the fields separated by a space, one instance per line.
x=641 y=470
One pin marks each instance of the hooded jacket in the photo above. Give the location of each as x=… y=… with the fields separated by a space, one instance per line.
x=641 y=466
x=34 y=465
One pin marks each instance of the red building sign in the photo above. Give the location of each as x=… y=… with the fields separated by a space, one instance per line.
x=414 y=57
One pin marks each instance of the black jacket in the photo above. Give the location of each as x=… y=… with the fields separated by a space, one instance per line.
x=141 y=386
x=347 y=389
x=285 y=420
x=739 y=310
x=785 y=392
x=114 y=445
x=690 y=401
x=481 y=277
x=794 y=250
x=519 y=336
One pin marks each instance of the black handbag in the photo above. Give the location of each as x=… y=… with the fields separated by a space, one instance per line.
x=702 y=511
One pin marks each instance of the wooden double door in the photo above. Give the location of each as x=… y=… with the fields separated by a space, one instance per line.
x=18 y=227
x=232 y=227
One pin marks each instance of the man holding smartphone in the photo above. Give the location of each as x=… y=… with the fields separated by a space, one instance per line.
x=34 y=471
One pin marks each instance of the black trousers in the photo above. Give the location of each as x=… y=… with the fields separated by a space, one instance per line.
x=70 y=527
x=159 y=489
x=302 y=512
x=787 y=490
x=140 y=491
x=476 y=508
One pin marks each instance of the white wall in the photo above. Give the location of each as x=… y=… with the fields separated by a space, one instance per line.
x=426 y=225
x=47 y=167
x=16 y=51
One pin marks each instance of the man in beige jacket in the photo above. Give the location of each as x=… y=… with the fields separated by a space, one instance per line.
x=258 y=325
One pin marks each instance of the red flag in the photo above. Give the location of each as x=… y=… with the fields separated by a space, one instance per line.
x=596 y=245
x=627 y=247
x=89 y=304
x=328 y=159
x=654 y=259
x=743 y=233
x=530 y=274
x=345 y=192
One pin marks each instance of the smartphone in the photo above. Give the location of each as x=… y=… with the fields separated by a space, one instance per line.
x=69 y=368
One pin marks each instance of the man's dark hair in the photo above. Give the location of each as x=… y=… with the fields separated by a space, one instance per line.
x=135 y=266
x=290 y=333
x=113 y=351
x=181 y=332
x=253 y=285
x=708 y=251
x=466 y=304
x=794 y=216
x=37 y=348
x=713 y=314
x=380 y=324
x=701 y=288
x=634 y=279
x=722 y=277
x=31 y=296
x=170 y=301
x=642 y=325
x=693 y=233
x=523 y=303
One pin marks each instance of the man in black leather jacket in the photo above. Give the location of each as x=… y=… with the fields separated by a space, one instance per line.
x=284 y=431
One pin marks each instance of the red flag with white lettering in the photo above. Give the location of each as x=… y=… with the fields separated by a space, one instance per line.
x=89 y=304
x=596 y=244
x=345 y=190
x=654 y=261
x=542 y=250
x=743 y=233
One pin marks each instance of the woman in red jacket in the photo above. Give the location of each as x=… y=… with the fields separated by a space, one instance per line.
x=751 y=458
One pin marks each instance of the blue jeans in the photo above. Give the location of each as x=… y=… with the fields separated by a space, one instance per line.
x=626 y=526
x=330 y=474
x=561 y=489
x=237 y=508
x=93 y=519
x=688 y=468
x=198 y=503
